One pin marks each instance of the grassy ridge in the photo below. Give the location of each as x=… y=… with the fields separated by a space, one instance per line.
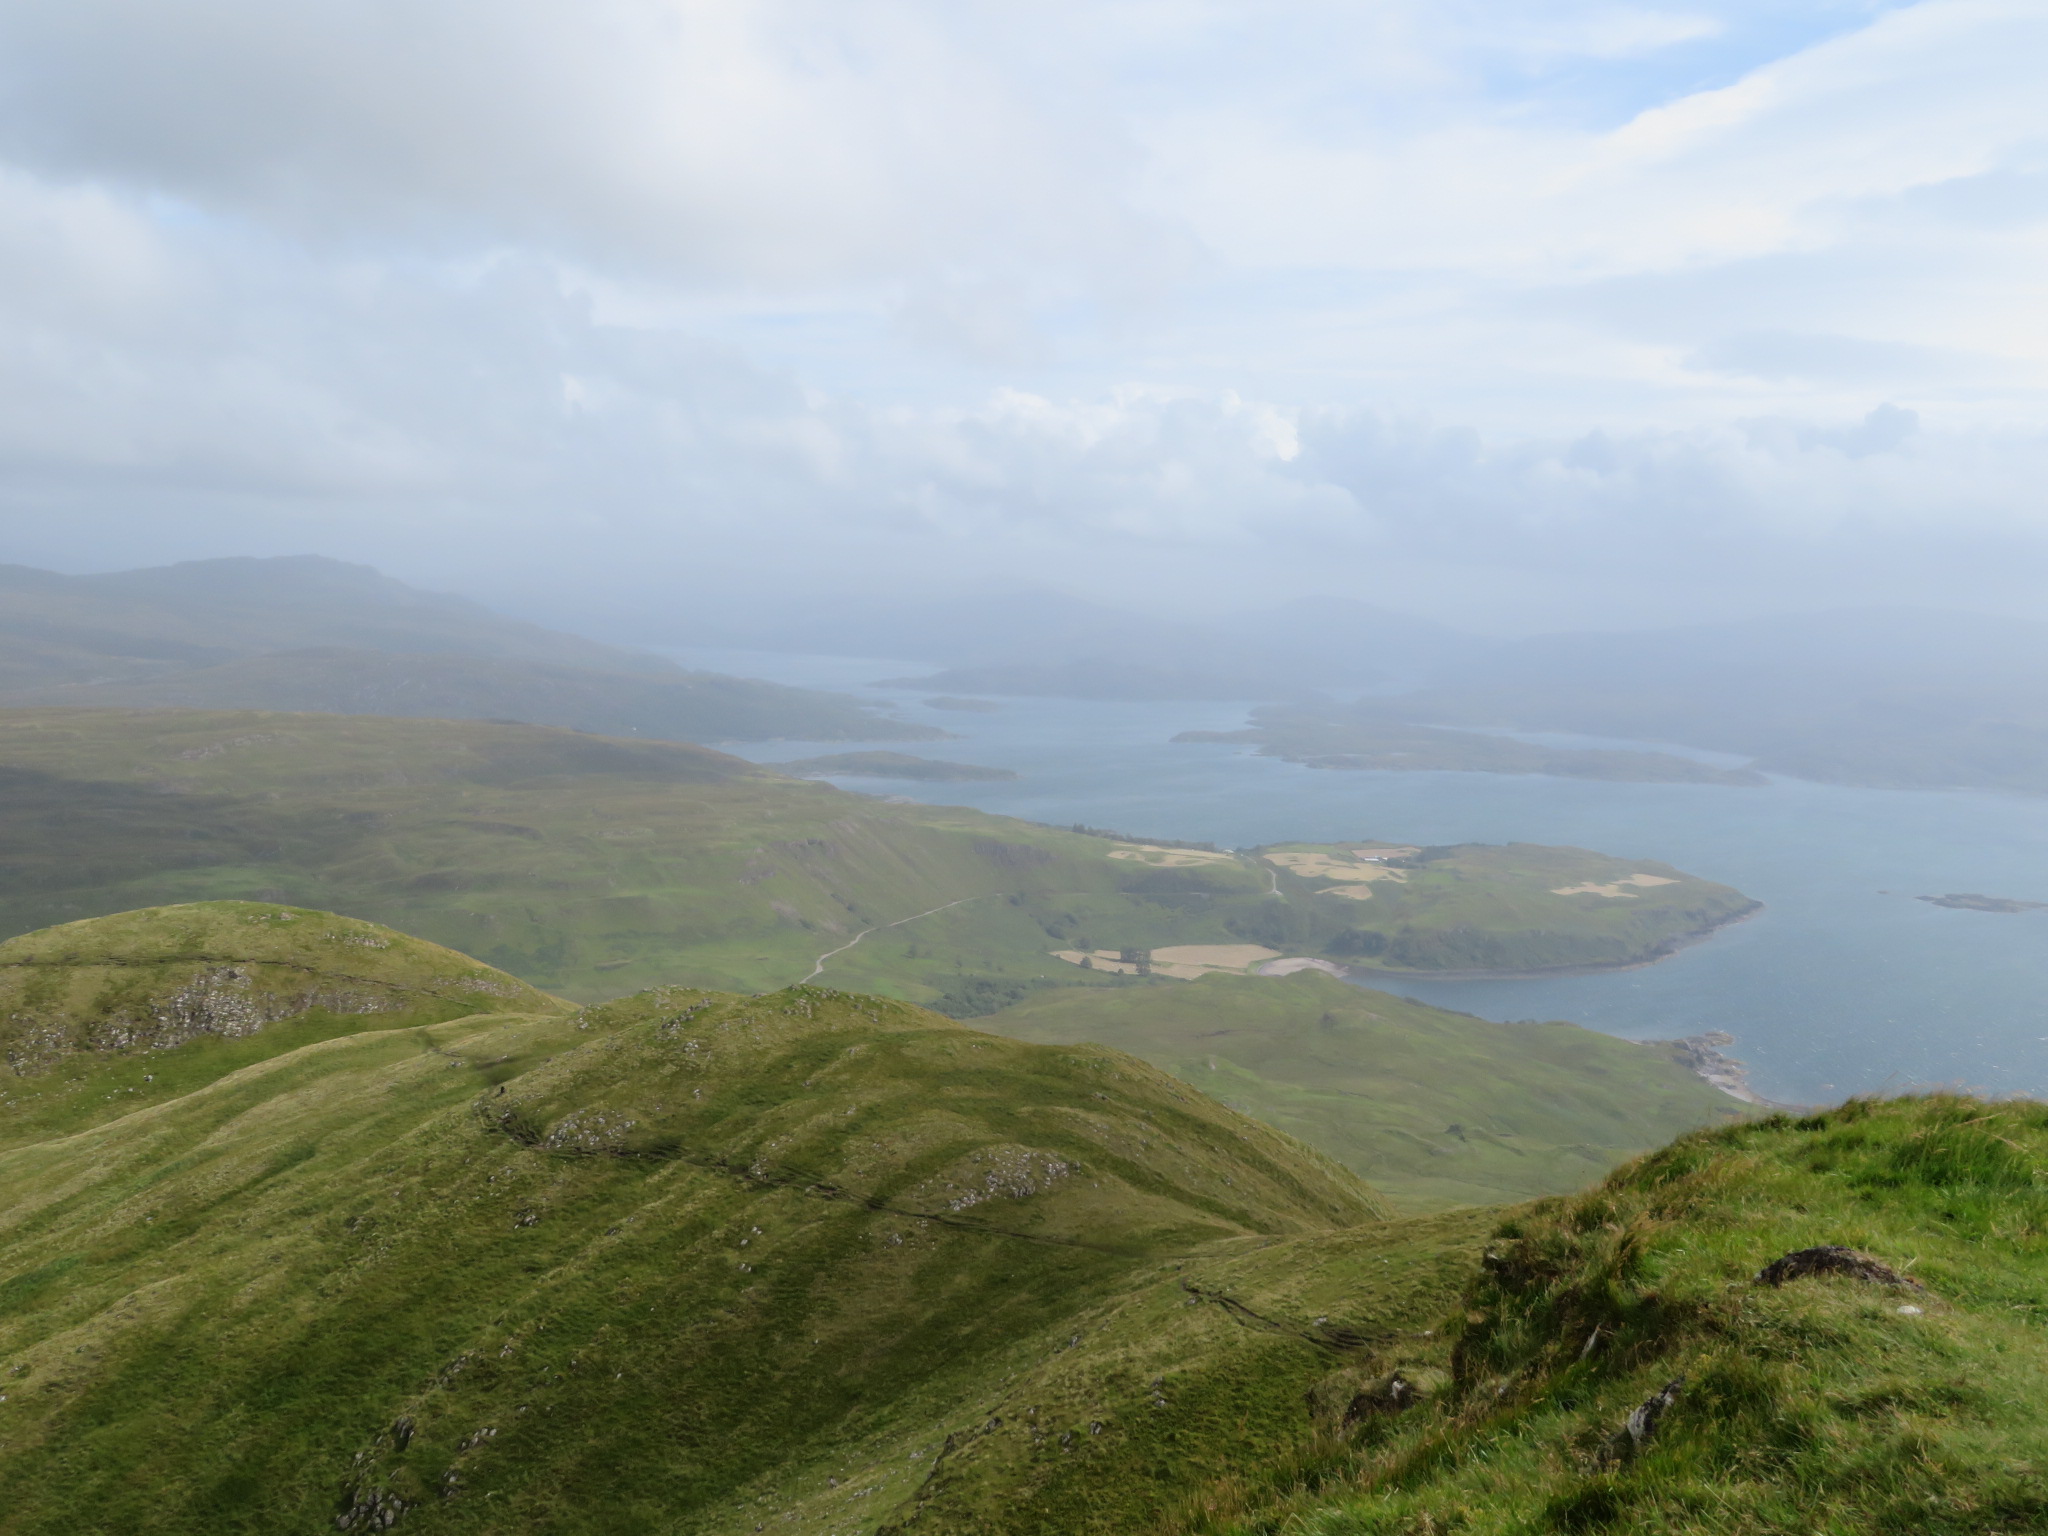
x=1431 y=1108
x=684 y=1262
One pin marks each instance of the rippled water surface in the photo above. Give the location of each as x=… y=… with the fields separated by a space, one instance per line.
x=1843 y=983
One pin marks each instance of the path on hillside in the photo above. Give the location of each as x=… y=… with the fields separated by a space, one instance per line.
x=842 y=949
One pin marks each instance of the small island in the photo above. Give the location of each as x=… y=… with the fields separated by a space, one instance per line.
x=1967 y=902
x=964 y=706
x=888 y=765
x=1358 y=737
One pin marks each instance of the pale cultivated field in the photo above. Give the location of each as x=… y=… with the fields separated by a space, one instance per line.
x=1299 y=963
x=1098 y=960
x=1348 y=865
x=1183 y=962
x=1170 y=858
x=1591 y=889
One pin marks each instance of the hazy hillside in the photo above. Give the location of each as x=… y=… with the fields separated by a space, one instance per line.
x=137 y=624
x=314 y=634
x=1892 y=697
x=670 y=706
x=1022 y=640
x=1898 y=698
x=590 y=866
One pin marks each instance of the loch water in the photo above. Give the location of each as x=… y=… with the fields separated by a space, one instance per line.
x=1844 y=983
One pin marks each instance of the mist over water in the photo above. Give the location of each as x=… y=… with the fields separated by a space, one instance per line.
x=1844 y=983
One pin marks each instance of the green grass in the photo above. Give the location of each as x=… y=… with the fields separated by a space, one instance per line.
x=591 y=866
x=686 y=1262
x=823 y=1263
x=104 y=1016
x=1825 y=1405
x=1496 y=907
x=1431 y=1108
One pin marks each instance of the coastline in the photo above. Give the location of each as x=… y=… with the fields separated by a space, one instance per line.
x=1705 y=1057
x=1360 y=975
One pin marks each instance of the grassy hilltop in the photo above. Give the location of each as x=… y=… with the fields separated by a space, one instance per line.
x=590 y=866
x=813 y=1262
x=101 y=1017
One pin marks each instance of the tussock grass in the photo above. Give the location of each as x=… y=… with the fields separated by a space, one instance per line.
x=1827 y=1404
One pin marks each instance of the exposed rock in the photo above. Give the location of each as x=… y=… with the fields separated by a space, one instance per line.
x=1831 y=1259
x=1640 y=1426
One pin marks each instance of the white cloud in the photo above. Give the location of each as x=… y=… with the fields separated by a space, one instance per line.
x=1584 y=292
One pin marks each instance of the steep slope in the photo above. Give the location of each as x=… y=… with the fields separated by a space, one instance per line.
x=101 y=1017
x=313 y=634
x=590 y=866
x=1826 y=1324
x=1432 y=1108
x=687 y=1262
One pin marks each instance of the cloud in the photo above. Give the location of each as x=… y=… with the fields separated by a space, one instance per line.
x=1712 y=304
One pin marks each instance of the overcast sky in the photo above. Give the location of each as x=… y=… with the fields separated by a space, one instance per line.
x=1532 y=312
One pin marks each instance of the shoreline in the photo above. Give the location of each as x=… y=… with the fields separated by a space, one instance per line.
x=1359 y=974
x=1704 y=1056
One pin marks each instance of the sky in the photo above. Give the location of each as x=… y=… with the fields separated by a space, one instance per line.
x=1531 y=314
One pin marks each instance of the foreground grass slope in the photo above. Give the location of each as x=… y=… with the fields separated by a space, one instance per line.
x=814 y=1262
x=590 y=866
x=1431 y=1108
x=1829 y=1403
x=685 y=1262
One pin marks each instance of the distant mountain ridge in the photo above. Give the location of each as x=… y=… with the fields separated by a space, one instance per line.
x=304 y=633
x=1898 y=698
